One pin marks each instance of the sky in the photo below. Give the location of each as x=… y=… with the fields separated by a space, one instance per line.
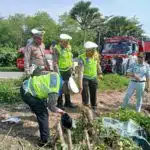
x=128 y=8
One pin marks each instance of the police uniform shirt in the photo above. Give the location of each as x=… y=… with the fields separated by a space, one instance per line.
x=141 y=70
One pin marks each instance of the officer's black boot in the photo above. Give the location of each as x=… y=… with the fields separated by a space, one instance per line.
x=68 y=102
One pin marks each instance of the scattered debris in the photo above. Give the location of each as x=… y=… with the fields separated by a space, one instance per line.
x=12 y=120
x=22 y=107
x=4 y=116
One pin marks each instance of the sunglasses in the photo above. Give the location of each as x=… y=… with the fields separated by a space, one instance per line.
x=38 y=37
x=90 y=50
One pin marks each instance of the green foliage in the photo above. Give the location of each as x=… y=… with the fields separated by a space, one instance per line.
x=100 y=137
x=83 y=23
x=113 y=82
x=9 y=69
x=42 y=20
x=72 y=27
x=15 y=30
x=120 y=25
x=89 y=18
x=8 y=56
x=9 y=91
x=67 y=24
x=140 y=118
x=109 y=82
x=11 y=31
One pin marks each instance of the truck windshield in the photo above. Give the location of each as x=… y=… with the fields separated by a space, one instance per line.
x=118 y=48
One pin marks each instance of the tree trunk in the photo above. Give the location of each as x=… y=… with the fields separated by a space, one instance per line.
x=84 y=36
x=99 y=40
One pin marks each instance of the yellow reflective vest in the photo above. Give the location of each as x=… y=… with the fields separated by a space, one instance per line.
x=41 y=86
x=90 y=66
x=64 y=58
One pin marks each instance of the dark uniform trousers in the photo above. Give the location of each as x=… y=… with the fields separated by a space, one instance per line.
x=89 y=87
x=39 y=107
x=65 y=76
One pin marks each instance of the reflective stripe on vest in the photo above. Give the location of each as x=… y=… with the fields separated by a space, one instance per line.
x=90 y=66
x=64 y=58
x=41 y=86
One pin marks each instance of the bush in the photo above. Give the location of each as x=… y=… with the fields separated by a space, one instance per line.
x=9 y=69
x=9 y=91
x=8 y=56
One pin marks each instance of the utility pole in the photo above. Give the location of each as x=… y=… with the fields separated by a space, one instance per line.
x=99 y=39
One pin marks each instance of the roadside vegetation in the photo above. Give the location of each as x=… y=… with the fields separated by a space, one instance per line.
x=102 y=138
x=9 y=69
x=111 y=82
x=83 y=22
x=9 y=88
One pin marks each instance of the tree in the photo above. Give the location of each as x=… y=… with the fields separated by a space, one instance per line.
x=11 y=31
x=67 y=24
x=16 y=29
x=15 y=24
x=42 y=20
x=120 y=25
x=70 y=26
x=88 y=17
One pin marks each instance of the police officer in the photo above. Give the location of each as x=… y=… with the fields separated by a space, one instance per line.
x=34 y=54
x=64 y=57
x=139 y=73
x=40 y=92
x=34 y=32
x=89 y=69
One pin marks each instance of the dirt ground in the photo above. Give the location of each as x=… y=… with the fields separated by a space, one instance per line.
x=24 y=135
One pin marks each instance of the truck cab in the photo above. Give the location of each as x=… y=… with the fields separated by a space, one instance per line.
x=116 y=53
x=146 y=48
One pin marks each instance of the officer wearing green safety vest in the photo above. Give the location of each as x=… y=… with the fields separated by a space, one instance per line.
x=63 y=56
x=40 y=92
x=48 y=84
x=89 y=69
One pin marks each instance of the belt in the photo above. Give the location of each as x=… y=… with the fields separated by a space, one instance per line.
x=137 y=81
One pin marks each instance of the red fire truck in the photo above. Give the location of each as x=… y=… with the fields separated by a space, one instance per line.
x=145 y=46
x=116 y=53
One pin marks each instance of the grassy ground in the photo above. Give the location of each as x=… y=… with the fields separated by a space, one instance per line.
x=111 y=82
x=9 y=89
x=25 y=135
x=8 y=69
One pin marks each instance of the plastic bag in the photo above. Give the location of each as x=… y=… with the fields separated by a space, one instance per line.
x=128 y=129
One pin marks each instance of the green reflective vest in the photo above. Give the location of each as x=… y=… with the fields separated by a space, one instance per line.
x=90 y=66
x=64 y=58
x=41 y=86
